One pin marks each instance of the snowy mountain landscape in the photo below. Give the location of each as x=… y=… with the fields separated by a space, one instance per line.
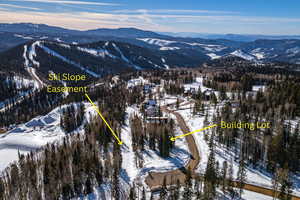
x=285 y=50
x=146 y=108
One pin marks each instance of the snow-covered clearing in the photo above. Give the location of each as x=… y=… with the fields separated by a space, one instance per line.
x=241 y=54
x=247 y=195
x=24 y=37
x=165 y=44
x=124 y=57
x=53 y=53
x=213 y=56
x=168 y=48
x=32 y=53
x=164 y=62
x=256 y=176
x=137 y=81
x=21 y=83
x=198 y=84
x=36 y=133
x=256 y=88
x=97 y=52
x=179 y=155
x=158 y=42
x=30 y=60
x=208 y=47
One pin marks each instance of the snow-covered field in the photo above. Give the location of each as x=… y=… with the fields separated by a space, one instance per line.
x=198 y=84
x=20 y=82
x=34 y=134
x=247 y=195
x=255 y=176
x=152 y=161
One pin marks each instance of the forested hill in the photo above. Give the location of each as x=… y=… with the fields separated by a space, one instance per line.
x=196 y=49
x=95 y=59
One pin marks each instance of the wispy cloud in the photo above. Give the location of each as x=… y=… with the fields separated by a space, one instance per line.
x=70 y=2
x=17 y=6
x=4 y=9
x=173 y=11
x=82 y=20
x=190 y=21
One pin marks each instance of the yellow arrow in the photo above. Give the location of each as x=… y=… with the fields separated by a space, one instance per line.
x=97 y=109
x=179 y=136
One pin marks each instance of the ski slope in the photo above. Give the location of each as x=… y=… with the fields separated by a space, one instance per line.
x=36 y=133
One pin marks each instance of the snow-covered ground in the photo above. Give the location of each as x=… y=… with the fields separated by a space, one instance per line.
x=247 y=195
x=241 y=54
x=20 y=82
x=83 y=68
x=97 y=52
x=171 y=44
x=213 y=56
x=158 y=42
x=152 y=161
x=24 y=37
x=256 y=88
x=168 y=48
x=254 y=176
x=198 y=84
x=135 y=82
x=34 y=134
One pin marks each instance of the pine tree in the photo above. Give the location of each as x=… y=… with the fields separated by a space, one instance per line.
x=177 y=103
x=143 y=194
x=224 y=177
x=241 y=176
x=230 y=180
x=176 y=191
x=275 y=183
x=198 y=188
x=151 y=197
x=132 y=194
x=88 y=186
x=163 y=192
x=286 y=184
x=210 y=177
x=187 y=193
x=2 y=189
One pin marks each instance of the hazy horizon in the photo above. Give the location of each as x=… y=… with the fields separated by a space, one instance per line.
x=205 y=17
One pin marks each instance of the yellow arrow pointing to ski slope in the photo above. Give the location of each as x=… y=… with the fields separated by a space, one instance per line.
x=97 y=110
x=199 y=130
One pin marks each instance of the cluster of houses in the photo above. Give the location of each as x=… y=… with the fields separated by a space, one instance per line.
x=206 y=94
x=153 y=113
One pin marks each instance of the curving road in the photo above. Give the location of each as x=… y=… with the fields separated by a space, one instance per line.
x=156 y=179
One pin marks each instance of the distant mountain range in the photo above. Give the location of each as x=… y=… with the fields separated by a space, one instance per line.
x=93 y=59
x=103 y=51
x=235 y=37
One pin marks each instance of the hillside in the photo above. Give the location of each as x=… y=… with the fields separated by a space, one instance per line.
x=198 y=49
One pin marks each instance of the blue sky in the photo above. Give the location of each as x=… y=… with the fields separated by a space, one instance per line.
x=277 y=17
